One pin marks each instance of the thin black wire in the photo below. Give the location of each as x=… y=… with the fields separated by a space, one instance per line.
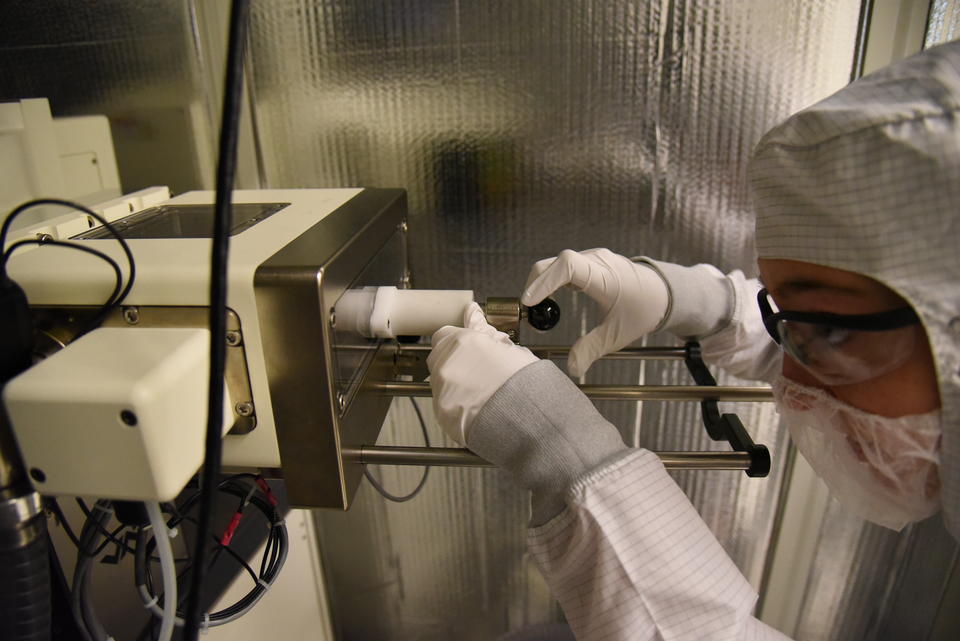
x=103 y=530
x=426 y=468
x=272 y=552
x=54 y=507
x=109 y=304
x=89 y=212
x=226 y=170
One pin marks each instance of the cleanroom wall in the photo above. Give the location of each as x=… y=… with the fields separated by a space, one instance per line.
x=520 y=129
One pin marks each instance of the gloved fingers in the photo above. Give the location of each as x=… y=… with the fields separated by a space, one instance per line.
x=569 y=268
x=588 y=348
x=475 y=319
x=538 y=268
x=441 y=334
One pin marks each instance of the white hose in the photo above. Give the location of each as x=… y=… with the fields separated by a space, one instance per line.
x=159 y=527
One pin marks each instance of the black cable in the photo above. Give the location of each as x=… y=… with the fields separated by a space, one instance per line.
x=89 y=212
x=111 y=537
x=226 y=170
x=426 y=469
x=108 y=305
x=274 y=552
x=54 y=507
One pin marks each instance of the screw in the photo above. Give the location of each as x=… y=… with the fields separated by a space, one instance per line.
x=402 y=227
x=131 y=315
x=44 y=238
x=128 y=418
x=341 y=401
x=233 y=338
x=244 y=409
x=333 y=318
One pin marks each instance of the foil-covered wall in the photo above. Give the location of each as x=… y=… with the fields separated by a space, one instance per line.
x=943 y=22
x=139 y=63
x=520 y=129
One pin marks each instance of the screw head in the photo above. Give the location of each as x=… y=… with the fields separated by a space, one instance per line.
x=403 y=227
x=131 y=315
x=341 y=401
x=244 y=409
x=44 y=238
x=333 y=318
x=233 y=338
x=128 y=418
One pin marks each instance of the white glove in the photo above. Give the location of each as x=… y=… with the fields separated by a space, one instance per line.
x=467 y=365
x=632 y=296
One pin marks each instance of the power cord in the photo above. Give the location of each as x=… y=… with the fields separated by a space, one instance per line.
x=274 y=555
x=226 y=170
x=118 y=295
x=426 y=469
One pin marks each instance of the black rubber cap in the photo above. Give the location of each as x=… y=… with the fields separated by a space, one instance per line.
x=544 y=315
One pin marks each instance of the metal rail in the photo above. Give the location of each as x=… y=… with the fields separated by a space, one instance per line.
x=623 y=392
x=458 y=457
x=560 y=351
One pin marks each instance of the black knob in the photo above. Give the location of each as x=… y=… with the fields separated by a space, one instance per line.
x=544 y=315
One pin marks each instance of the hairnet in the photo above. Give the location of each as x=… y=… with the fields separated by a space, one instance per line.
x=868 y=180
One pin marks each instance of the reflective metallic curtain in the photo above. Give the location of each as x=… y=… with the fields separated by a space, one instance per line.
x=943 y=24
x=520 y=129
x=136 y=62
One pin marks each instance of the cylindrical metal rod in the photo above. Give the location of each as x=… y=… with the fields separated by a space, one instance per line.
x=458 y=457
x=560 y=351
x=624 y=392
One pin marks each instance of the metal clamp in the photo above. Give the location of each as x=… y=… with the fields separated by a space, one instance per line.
x=18 y=510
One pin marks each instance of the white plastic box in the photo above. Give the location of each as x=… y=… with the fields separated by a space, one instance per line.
x=119 y=413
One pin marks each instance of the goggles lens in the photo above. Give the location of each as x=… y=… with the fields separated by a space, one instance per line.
x=839 y=356
x=843 y=349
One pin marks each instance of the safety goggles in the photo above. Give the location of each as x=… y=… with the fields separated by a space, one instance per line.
x=843 y=349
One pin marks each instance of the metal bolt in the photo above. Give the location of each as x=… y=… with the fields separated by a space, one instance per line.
x=131 y=315
x=233 y=338
x=333 y=318
x=402 y=227
x=341 y=401
x=244 y=409
x=44 y=238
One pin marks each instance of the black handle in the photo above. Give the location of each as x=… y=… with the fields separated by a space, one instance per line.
x=544 y=315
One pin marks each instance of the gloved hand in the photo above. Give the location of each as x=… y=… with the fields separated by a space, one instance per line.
x=519 y=412
x=632 y=296
x=467 y=365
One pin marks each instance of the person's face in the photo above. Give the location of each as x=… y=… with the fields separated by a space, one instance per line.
x=910 y=388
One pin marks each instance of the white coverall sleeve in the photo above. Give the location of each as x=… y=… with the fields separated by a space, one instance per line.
x=743 y=347
x=721 y=312
x=630 y=559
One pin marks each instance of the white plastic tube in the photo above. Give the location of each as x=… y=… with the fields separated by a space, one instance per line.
x=388 y=312
x=167 y=569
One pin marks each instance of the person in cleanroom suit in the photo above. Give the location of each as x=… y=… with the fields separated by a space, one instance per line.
x=857 y=328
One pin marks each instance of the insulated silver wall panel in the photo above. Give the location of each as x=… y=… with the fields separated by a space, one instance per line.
x=139 y=63
x=943 y=22
x=520 y=129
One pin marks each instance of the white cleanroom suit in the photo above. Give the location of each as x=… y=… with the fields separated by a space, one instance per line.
x=866 y=181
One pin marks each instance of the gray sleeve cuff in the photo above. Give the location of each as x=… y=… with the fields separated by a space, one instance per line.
x=539 y=427
x=701 y=299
